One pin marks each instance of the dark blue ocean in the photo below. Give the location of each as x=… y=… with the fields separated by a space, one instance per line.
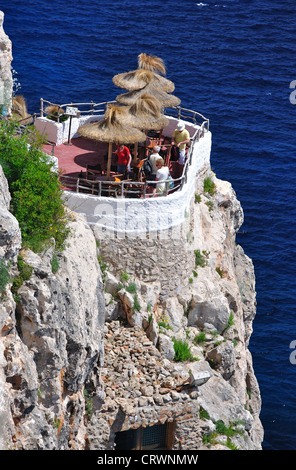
x=231 y=60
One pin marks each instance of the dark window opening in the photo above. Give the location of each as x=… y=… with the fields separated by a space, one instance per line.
x=159 y=436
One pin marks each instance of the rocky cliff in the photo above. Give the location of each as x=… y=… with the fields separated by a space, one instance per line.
x=87 y=349
x=6 y=78
x=51 y=339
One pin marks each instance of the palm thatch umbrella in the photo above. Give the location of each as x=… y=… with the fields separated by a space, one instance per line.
x=137 y=79
x=19 y=110
x=150 y=70
x=152 y=63
x=144 y=114
x=113 y=130
x=165 y=99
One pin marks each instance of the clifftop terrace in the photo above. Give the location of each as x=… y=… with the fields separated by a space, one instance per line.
x=83 y=162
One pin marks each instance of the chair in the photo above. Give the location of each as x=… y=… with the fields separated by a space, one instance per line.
x=154 y=136
x=93 y=171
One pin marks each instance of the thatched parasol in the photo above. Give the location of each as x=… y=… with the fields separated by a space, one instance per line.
x=150 y=70
x=112 y=130
x=165 y=99
x=19 y=110
x=152 y=63
x=139 y=78
x=144 y=114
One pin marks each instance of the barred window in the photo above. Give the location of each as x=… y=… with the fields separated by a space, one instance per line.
x=159 y=436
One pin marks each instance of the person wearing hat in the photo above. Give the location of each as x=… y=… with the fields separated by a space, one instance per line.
x=180 y=138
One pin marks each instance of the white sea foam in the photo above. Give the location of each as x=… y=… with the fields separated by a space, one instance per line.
x=207 y=5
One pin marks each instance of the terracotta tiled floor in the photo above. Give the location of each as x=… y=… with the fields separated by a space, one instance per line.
x=72 y=159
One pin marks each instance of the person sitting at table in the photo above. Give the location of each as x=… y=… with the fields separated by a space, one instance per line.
x=162 y=175
x=124 y=159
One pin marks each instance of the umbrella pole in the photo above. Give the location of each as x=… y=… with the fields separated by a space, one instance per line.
x=109 y=160
x=135 y=152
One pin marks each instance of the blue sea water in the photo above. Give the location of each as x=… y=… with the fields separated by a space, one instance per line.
x=231 y=60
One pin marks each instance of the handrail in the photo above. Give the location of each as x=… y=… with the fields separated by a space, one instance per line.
x=116 y=188
x=91 y=111
x=177 y=111
x=139 y=187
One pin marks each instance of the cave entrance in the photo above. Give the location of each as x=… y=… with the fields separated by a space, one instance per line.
x=159 y=436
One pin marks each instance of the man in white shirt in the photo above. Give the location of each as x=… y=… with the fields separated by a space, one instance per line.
x=162 y=174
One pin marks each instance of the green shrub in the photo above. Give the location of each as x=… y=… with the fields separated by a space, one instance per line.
x=120 y=286
x=103 y=265
x=220 y=271
x=25 y=272
x=200 y=258
x=197 y=198
x=203 y=414
x=165 y=325
x=57 y=117
x=35 y=188
x=182 y=351
x=222 y=429
x=210 y=205
x=137 y=306
x=54 y=263
x=124 y=276
x=209 y=186
x=4 y=276
x=200 y=338
x=131 y=288
x=229 y=431
x=230 y=321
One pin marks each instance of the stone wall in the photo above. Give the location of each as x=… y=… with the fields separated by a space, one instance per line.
x=165 y=257
x=212 y=296
x=144 y=389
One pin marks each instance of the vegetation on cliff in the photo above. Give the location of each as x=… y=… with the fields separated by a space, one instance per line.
x=34 y=186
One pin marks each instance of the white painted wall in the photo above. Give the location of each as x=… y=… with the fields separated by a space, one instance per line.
x=58 y=132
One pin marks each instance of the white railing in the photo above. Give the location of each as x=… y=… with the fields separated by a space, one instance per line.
x=90 y=108
x=130 y=188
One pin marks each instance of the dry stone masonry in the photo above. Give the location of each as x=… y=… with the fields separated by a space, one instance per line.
x=214 y=300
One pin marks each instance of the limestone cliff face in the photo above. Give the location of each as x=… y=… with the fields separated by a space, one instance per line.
x=6 y=80
x=85 y=354
x=204 y=295
x=51 y=345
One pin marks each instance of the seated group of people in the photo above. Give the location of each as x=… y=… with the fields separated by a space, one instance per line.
x=160 y=172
